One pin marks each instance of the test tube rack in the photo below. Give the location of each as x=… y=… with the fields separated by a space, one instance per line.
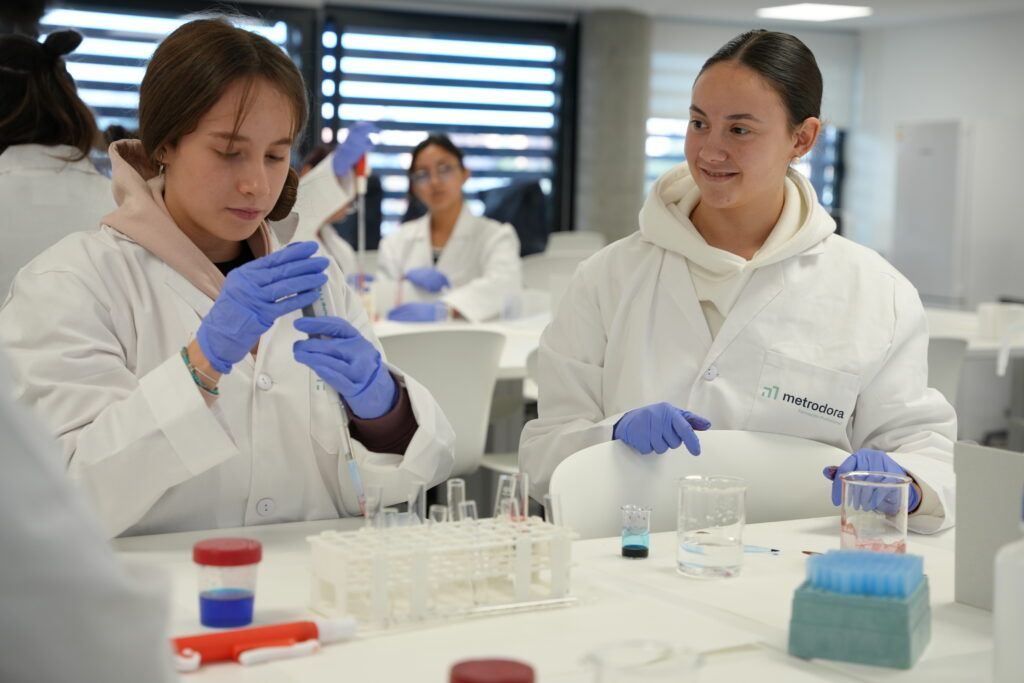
x=402 y=575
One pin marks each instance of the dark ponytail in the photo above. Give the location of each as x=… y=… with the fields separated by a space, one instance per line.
x=784 y=62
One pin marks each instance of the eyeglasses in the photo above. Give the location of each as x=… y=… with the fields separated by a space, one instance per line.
x=444 y=174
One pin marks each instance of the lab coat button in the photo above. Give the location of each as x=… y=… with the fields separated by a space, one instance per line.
x=265 y=507
x=264 y=382
x=711 y=373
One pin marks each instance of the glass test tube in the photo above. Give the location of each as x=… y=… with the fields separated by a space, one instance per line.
x=456 y=496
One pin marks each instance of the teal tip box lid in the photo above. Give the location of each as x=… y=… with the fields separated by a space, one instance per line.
x=864 y=629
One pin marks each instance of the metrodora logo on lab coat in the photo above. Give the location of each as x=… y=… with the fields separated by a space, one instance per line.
x=805 y=405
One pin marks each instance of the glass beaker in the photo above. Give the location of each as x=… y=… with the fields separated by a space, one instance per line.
x=648 y=661
x=712 y=511
x=636 y=531
x=873 y=515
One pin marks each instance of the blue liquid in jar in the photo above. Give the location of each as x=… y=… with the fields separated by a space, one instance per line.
x=635 y=545
x=225 y=607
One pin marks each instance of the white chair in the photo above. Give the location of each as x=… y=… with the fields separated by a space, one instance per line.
x=945 y=361
x=783 y=475
x=576 y=241
x=459 y=367
x=538 y=269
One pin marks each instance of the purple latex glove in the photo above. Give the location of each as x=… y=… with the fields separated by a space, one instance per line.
x=353 y=280
x=254 y=296
x=347 y=361
x=430 y=279
x=659 y=427
x=358 y=143
x=419 y=312
x=868 y=460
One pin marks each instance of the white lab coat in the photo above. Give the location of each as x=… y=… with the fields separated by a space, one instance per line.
x=832 y=323
x=69 y=611
x=94 y=327
x=45 y=198
x=481 y=261
x=321 y=194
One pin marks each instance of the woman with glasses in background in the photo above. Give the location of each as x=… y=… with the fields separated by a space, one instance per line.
x=457 y=264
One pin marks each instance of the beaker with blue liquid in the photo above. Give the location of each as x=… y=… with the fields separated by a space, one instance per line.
x=636 y=531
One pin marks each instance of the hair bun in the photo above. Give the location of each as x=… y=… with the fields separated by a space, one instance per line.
x=60 y=43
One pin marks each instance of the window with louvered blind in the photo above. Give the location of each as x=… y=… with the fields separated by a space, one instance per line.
x=499 y=90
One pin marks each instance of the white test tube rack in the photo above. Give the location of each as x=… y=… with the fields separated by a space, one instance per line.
x=403 y=575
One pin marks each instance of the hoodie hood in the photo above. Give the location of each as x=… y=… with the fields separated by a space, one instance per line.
x=142 y=215
x=665 y=222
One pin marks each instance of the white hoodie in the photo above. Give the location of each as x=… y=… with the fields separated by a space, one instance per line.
x=719 y=275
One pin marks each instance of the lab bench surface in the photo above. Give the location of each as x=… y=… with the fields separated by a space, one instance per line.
x=741 y=624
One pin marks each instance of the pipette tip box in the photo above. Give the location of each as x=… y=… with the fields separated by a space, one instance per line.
x=853 y=622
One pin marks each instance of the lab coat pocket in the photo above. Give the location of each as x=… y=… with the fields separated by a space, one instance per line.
x=325 y=415
x=802 y=399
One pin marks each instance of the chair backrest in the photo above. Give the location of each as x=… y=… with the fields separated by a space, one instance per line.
x=538 y=269
x=459 y=367
x=945 y=361
x=783 y=475
x=523 y=204
x=576 y=241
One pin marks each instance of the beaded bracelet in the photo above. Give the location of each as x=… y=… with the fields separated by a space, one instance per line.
x=196 y=372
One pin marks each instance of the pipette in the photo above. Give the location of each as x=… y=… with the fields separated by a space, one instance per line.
x=362 y=169
x=324 y=305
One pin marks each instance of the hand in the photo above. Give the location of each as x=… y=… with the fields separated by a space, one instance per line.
x=430 y=279
x=659 y=427
x=358 y=143
x=353 y=280
x=348 y=362
x=254 y=296
x=419 y=312
x=868 y=460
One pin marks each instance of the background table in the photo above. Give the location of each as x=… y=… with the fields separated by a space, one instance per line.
x=741 y=623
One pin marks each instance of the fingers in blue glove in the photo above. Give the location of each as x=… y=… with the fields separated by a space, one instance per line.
x=428 y=278
x=296 y=251
x=659 y=427
x=356 y=144
x=419 y=312
x=329 y=326
x=868 y=498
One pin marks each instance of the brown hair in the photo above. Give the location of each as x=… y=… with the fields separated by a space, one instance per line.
x=194 y=66
x=784 y=62
x=38 y=100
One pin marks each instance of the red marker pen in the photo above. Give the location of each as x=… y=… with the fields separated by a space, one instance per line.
x=261 y=643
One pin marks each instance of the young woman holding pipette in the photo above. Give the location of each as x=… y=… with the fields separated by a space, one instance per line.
x=736 y=305
x=167 y=349
x=448 y=260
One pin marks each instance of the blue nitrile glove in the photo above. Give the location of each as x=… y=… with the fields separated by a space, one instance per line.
x=659 y=427
x=430 y=279
x=254 y=296
x=347 y=361
x=353 y=280
x=868 y=460
x=419 y=312
x=358 y=143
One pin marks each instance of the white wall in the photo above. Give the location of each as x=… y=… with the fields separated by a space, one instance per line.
x=680 y=48
x=970 y=69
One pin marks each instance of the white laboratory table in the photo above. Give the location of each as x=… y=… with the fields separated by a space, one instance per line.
x=741 y=624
